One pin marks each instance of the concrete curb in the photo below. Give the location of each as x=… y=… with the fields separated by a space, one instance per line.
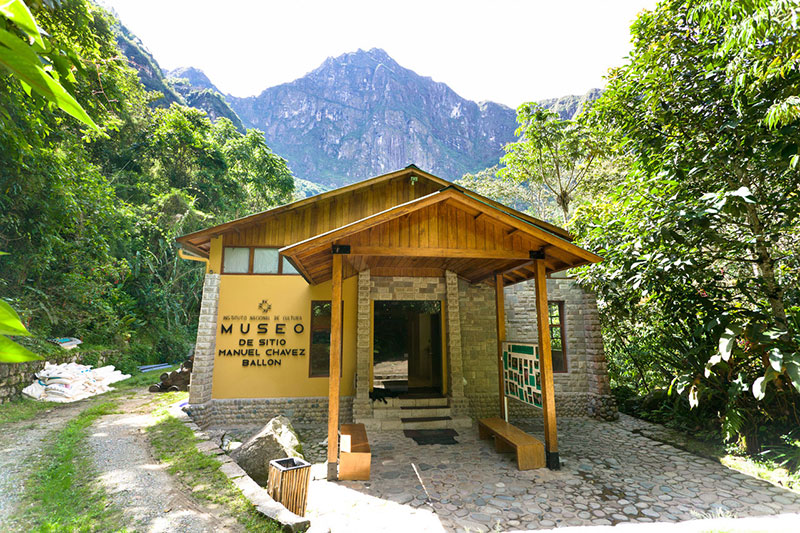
x=257 y=495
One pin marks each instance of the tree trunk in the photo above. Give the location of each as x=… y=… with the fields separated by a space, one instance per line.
x=765 y=265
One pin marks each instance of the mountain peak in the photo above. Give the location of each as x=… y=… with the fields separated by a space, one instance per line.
x=196 y=77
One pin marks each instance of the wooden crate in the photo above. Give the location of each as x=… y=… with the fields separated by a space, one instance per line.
x=288 y=483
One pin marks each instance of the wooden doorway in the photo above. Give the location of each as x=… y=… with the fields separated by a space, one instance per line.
x=407 y=347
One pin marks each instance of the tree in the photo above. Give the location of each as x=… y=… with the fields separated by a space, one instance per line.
x=703 y=235
x=557 y=154
x=26 y=60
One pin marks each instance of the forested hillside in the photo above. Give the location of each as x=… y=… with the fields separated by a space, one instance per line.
x=684 y=176
x=88 y=217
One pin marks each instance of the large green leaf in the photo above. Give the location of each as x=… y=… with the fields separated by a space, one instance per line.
x=11 y=352
x=10 y=324
x=18 y=12
x=793 y=370
x=726 y=343
x=22 y=61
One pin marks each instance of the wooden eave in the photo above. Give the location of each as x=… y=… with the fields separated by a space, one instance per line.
x=199 y=242
x=510 y=243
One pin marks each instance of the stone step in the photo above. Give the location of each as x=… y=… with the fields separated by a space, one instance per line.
x=410 y=412
x=410 y=402
x=395 y=424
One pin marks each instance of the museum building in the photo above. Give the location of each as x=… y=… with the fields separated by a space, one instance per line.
x=402 y=287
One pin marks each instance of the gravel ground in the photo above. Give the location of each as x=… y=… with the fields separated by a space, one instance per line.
x=20 y=444
x=152 y=499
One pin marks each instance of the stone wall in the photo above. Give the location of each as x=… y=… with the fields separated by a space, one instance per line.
x=260 y=410
x=16 y=376
x=203 y=367
x=582 y=391
x=471 y=351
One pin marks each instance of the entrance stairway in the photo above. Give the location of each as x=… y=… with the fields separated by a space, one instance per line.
x=414 y=413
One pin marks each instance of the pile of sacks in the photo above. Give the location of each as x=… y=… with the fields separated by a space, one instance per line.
x=71 y=382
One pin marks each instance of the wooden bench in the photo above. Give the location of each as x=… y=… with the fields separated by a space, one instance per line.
x=508 y=438
x=354 y=453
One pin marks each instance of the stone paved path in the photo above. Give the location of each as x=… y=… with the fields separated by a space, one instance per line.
x=610 y=475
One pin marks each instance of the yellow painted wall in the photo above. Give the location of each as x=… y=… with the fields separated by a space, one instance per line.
x=289 y=300
x=214 y=265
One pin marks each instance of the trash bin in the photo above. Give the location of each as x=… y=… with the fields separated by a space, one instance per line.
x=288 y=483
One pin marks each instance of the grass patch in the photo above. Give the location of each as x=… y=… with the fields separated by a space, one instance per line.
x=174 y=444
x=22 y=409
x=766 y=470
x=61 y=494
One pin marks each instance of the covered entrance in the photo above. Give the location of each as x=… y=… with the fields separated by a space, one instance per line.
x=452 y=236
x=407 y=348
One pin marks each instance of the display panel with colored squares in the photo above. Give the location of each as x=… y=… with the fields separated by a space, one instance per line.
x=521 y=373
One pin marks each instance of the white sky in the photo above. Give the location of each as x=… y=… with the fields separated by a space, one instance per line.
x=507 y=51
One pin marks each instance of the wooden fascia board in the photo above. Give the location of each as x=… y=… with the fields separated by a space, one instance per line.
x=533 y=220
x=455 y=253
x=452 y=195
x=534 y=231
x=194 y=249
x=263 y=215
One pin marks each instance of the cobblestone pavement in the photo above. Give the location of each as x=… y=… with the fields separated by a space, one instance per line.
x=610 y=476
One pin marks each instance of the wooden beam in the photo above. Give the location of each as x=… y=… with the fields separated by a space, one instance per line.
x=500 y=313
x=546 y=365
x=335 y=365
x=456 y=253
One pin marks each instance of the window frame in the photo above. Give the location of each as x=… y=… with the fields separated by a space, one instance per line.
x=281 y=259
x=563 y=334
x=327 y=373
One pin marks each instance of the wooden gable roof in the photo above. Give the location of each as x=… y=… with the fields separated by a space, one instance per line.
x=445 y=230
x=301 y=220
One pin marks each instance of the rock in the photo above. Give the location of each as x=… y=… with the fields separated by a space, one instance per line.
x=276 y=440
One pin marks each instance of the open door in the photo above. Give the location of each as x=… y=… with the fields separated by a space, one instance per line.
x=407 y=346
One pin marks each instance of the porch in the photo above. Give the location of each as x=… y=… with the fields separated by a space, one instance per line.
x=448 y=236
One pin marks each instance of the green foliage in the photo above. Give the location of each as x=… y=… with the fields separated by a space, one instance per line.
x=90 y=221
x=699 y=284
x=557 y=154
x=10 y=324
x=27 y=55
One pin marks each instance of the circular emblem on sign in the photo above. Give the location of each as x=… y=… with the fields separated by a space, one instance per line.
x=264 y=306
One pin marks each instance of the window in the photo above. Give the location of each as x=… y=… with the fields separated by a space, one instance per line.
x=265 y=261
x=287 y=267
x=254 y=260
x=557 y=336
x=320 y=345
x=237 y=260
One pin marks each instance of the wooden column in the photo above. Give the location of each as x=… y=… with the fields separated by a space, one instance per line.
x=546 y=366
x=334 y=369
x=500 y=304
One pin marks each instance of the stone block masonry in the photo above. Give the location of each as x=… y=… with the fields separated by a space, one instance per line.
x=203 y=368
x=261 y=410
x=581 y=391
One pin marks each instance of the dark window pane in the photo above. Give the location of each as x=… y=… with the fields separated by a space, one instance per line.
x=320 y=334
x=320 y=350
x=558 y=351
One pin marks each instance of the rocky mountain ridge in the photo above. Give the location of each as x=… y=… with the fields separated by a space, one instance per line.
x=355 y=116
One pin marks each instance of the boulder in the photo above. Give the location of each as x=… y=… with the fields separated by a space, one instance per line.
x=276 y=440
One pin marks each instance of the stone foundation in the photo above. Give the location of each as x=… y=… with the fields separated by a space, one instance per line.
x=580 y=391
x=259 y=410
x=567 y=404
